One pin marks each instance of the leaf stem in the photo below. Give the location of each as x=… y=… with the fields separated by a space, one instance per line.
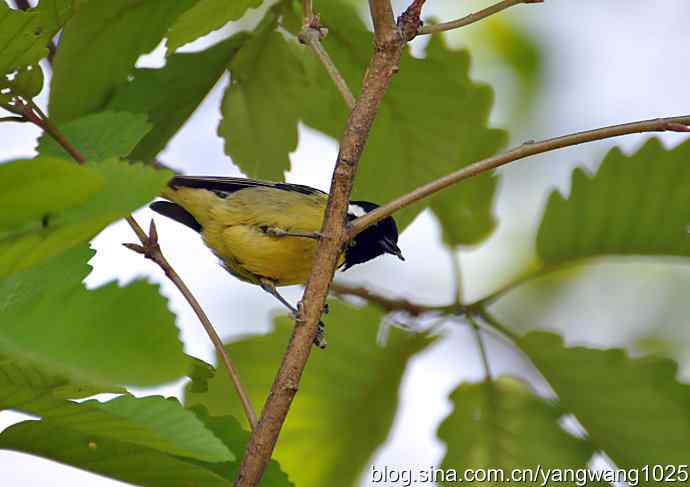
x=152 y=250
x=530 y=148
x=474 y=17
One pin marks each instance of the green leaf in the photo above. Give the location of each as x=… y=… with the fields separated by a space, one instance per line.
x=200 y=373
x=230 y=432
x=351 y=387
x=633 y=205
x=116 y=30
x=27 y=388
x=206 y=16
x=154 y=421
x=169 y=95
x=432 y=121
x=261 y=106
x=99 y=136
x=28 y=82
x=504 y=425
x=109 y=335
x=25 y=35
x=47 y=232
x=26 y=185
x=115 y=459
x=633 y=410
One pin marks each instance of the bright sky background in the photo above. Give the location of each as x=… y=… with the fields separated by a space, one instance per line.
x=606 y=61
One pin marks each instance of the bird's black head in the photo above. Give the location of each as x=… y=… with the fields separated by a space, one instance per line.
x=378 y=239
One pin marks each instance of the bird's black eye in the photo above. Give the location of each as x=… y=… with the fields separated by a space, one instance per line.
x=221 y=194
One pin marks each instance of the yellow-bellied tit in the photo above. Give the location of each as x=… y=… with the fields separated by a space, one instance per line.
x=266 y=233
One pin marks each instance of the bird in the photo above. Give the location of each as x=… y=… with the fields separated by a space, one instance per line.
x=266 y=233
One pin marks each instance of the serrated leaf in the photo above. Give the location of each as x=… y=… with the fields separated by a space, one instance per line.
x=261 y=106
x=99 y=136
x=125 y=187
x=169 y=95
x=633 y=205
x=116 y=30
x=352 y=387
x=230 y=432
x=115 y=459
x=432 y=121
x=206 y=16
x=633 y=410
x=109 y=335
x=24 y=35
x=503 y=425
x=154 y=421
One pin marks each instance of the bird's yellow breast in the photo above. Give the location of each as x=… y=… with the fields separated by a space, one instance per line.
x=235 y=229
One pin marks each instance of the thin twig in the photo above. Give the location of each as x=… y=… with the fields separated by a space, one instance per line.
x=385 y=303
x=480 y=345
x=457 y=275
x=311 y=36
x=17 y=119
x=474 y=17
x=673 y=124
x=150 y=248
x=307 y=9
x=383 y=65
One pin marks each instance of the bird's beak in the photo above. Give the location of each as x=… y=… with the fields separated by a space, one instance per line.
x=391 y=247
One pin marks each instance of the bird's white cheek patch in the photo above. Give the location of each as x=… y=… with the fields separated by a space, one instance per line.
x=355 y=210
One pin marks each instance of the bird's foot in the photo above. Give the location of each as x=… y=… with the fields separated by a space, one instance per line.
x=279 y=232
x=320 y=338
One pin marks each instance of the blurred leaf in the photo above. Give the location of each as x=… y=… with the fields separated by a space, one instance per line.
x=634 y=410
x=169 y=95
x=25 y=35
x=28 y=82
x=261 y=106
x=206 y=16
x=99 y=135
x=351 y=387
x=230 y=432
x=633 y=205
x=200 y=373
x=47 y=232
x=510 y=55
x=118 y=31
x=504 y=425
x=432 y=121
x=110 y=335
x=115 y=459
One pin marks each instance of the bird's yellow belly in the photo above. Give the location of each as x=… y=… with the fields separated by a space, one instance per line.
x=251 y=255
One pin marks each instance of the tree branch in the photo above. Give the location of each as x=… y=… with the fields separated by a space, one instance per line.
x=672 y=124
x=384 y=63
x=385 y=29
x=474 y=17
x=150 y=249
